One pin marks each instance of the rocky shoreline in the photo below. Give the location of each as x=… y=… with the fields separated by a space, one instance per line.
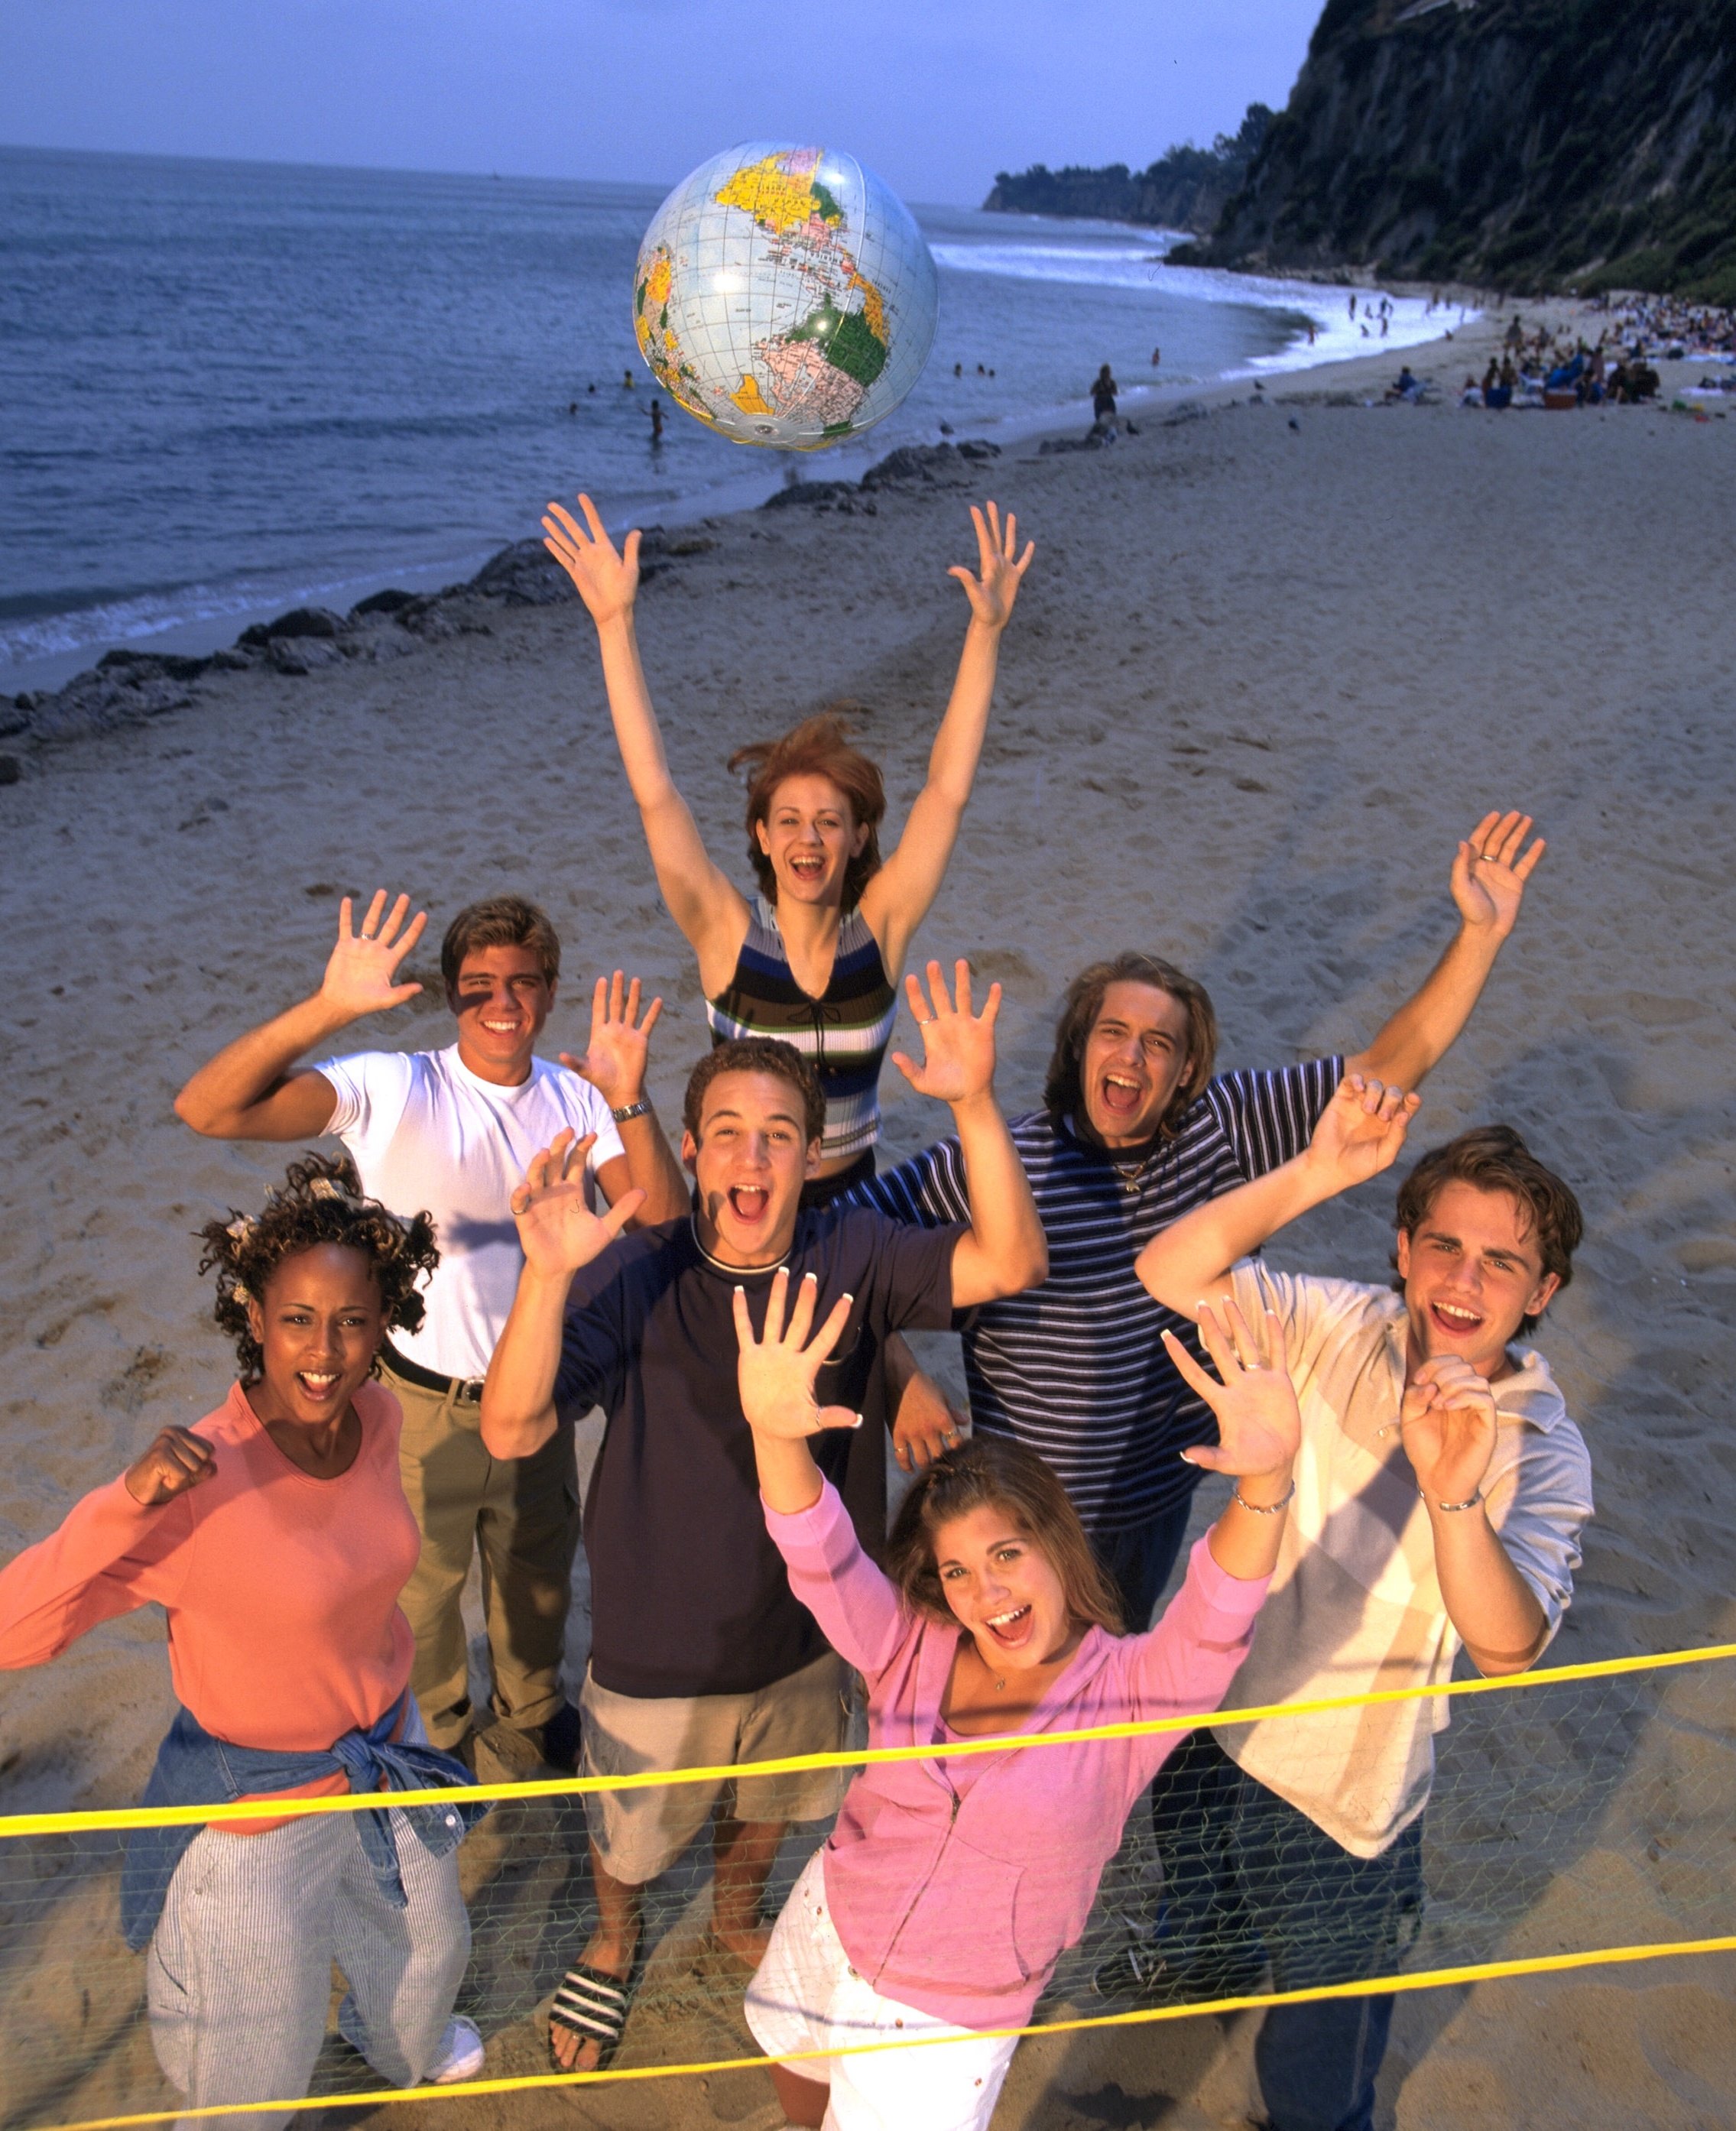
x=126 y=686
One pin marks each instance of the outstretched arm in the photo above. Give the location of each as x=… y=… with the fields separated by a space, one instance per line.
x=1490 y=869
x=559 y=1234
x=701 y=900
x=248 y=1092
x=896 y=899
x=1006 y=1250
x=1189 y=1264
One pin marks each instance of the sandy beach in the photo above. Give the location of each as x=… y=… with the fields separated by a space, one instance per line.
x=1271 y=661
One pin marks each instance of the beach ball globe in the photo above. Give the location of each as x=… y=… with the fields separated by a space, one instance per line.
x=784 y=297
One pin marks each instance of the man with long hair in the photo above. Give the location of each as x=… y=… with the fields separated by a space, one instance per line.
x=1135 y=1128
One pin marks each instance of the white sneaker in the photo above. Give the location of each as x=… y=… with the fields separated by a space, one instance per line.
x=459 y=2056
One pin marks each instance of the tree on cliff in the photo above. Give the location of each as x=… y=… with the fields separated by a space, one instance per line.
x=1531 y=143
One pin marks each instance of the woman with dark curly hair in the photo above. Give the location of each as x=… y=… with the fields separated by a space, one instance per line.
x=275 y=1535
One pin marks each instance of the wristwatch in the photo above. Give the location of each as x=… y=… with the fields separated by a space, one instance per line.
x=641 y=1108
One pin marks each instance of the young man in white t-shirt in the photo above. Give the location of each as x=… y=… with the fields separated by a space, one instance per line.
x=1441 y=1492
x=453 y=1132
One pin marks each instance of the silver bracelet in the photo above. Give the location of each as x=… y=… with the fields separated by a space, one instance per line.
x=641 y=1108
x=1471 y=1503
x=1261 y=1509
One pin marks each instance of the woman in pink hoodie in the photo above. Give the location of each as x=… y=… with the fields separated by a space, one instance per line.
x=950 y=1886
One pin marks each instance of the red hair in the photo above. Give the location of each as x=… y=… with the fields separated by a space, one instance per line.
x=818 y=747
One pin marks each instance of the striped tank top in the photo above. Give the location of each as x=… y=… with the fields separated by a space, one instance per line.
x=843 y=1034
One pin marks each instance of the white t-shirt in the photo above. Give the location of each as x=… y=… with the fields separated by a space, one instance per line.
x=427 y=1134
x=1355 y=1606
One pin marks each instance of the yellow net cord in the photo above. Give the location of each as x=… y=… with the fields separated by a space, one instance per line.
x=1571 y=1777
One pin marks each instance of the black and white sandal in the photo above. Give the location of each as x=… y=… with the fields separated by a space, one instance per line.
x=594 y=2006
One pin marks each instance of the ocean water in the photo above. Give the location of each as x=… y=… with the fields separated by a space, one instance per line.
x=226 y=388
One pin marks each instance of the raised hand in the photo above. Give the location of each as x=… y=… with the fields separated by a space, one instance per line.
x=958 y=1044
x=1447 y=1423
x=557 y=1230
x=992 y=591
x=620 y=1041
x=776 y=1372
x=1259 y=1423
x=1490 y=869
x=607 y=582
x=927 y=1425
x=1361 y=1130
x=176 y=1460
x=359 y=977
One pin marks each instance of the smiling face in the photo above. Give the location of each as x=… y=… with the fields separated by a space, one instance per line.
x=1003 y=1588
x=750 y=1160
x=319 y=1323
x=810 y=834
x=501 y=999
x=1133 y=1062
x=1472 y=1271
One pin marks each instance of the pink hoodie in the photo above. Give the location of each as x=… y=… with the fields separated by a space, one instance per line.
x=960 y=1902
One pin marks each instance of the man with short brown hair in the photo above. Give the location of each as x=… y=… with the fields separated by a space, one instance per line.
x=450 y=1130
x=701 y=1656
x=1441 y=1491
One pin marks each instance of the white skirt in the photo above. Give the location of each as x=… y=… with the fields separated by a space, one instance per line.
x=807 y=1996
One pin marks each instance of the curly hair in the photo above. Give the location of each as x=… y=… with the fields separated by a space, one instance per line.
x=319 y=1201
x=818 y=747
x=993 y=1471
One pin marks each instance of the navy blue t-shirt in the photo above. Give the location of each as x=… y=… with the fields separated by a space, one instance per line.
x=688 y=1595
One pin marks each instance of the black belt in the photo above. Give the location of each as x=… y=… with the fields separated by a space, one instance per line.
x=467 y=1389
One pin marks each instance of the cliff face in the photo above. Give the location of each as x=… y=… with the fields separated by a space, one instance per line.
x=1186 y=188
x=1523 y=143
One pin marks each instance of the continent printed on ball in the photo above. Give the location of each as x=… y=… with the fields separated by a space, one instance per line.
x=804 y=382
x=657 y=342
x=784 y=296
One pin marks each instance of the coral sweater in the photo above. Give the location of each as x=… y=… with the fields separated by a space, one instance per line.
x=281 y=1590
x=959 y=1899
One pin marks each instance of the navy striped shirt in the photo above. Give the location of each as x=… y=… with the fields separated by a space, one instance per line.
x=1075 y=1368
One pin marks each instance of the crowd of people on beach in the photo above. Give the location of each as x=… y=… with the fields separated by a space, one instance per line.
x=508 y=1241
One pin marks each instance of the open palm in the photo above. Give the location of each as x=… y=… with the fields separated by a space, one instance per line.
x=557 y=1230
x=361 y=976
x=1491 y=867
x=1001 y=567
x=776 y=1372
x=606 y=581
x=958 y=1043
x=1259 y=1423
x=620 y=1045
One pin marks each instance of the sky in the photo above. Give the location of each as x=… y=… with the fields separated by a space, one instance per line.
x=938 y=95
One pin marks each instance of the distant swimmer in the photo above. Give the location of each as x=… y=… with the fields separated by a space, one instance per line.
x=1353 y=306
x=1157 y=357
x=626 y=379
x=656 y=420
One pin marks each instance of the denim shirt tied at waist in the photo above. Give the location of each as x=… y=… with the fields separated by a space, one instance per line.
x=194 y=1769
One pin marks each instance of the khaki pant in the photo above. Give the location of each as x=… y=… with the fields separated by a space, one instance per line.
x=522 y=1514
x=639 y=1834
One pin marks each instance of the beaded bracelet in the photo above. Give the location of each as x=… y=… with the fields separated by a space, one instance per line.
x=1261 y=1509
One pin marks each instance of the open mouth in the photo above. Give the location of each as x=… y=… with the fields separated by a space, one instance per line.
x=748 y=1203
x=502 y=1028
x=1010 y=1628
x=1122 y=1097
x=809 y=866
x=1454 y=1320
x=319 y=1385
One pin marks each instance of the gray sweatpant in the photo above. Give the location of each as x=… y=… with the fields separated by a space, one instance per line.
x=239 y=1974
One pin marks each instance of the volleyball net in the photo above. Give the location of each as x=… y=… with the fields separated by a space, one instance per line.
x=1580 y=1816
